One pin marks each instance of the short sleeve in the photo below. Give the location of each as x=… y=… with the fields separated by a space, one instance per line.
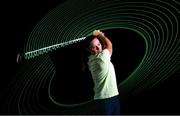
x=105 y=54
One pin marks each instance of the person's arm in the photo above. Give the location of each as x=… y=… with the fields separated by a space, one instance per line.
x=106 y=42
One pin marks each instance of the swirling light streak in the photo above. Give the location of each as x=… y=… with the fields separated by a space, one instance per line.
x=156 y=21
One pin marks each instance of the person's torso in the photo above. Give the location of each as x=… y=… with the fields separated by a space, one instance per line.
x=103 y=74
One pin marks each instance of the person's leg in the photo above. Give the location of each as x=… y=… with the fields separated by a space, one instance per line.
x=116 y=105
x=109 y=106
x=103 y=107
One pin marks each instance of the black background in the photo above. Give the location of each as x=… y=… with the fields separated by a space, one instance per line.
x=21 y=17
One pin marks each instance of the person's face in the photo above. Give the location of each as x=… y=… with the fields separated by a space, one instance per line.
x=95 y=46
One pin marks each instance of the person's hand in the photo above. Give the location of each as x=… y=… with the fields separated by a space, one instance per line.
x=19 y=58
x=97 y=32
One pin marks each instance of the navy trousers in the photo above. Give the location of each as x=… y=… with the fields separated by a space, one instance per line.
x=109 y=106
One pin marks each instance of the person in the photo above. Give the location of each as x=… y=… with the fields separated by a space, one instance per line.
x=99 y=51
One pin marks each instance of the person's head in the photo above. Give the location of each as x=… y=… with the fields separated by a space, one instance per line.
x=93 y=45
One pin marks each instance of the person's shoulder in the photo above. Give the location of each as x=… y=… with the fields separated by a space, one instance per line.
x=106 y=51
x=92 y=58
x=105 y=54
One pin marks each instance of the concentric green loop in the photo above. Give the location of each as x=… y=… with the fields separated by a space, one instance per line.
x=156 y=21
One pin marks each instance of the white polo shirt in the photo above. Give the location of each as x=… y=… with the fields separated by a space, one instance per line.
x=103 y=74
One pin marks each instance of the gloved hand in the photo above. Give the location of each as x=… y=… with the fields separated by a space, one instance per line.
x=97 y=32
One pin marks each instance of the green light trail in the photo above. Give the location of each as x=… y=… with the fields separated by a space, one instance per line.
x=157 y=22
